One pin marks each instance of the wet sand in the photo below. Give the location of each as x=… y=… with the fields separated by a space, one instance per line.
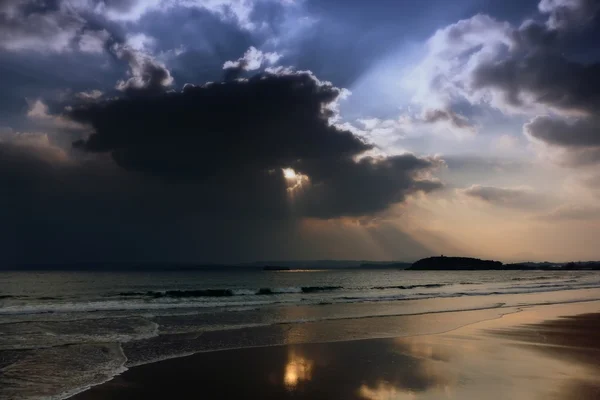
x=544 y=352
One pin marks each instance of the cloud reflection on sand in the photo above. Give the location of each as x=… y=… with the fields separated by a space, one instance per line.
x=465 y=364
x=384 y=391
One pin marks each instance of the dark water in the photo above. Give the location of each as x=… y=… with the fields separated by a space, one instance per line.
x=61 y=332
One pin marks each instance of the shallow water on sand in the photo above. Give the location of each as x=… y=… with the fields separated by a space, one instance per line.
x=520 y=356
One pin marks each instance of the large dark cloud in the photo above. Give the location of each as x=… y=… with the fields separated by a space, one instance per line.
x=56 y=208
x=241 y=134
x=48 y=26
x=543 y=77
x=569 y=13
x=345 y=187
x=267 y=121
x=578 y=140
x=196 y=174
x=558 y=132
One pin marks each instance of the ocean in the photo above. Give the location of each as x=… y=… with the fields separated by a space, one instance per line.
x=62 y=332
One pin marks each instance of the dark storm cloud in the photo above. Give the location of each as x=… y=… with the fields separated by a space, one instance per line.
x=198 y=173
x=578 y=140
x=534 y=34
x=547 y=76
x=57 y=209
x=45 y=189
x=506 y=197
x=345 y=187
x=49 y=26
x=569 y=13
x=241 y=134
x=558 y=132
x=267 y=121
x=543 y=77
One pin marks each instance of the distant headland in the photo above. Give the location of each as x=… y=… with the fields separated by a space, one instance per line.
x=443 y=263
x=455 y=263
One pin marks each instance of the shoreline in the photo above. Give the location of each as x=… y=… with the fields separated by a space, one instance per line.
x=121 y=385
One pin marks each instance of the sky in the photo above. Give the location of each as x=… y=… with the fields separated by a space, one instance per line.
x=246 y=130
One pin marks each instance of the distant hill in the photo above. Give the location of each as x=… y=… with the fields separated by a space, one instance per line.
x=475 y=264
x=455 y=263
x=585 y=265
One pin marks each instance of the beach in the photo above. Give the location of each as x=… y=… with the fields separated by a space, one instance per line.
x=540 y=352
x=65 y=334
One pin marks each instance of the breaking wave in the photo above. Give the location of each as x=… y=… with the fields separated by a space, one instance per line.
x=229 y=292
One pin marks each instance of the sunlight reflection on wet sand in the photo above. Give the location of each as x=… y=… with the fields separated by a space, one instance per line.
x=297 y=369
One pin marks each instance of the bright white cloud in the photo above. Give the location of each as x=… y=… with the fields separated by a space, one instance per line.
x=146 y=73
x=445 y=74
x=565 y=13
x=239 y=11
x=50 y=32
x=39 y=112
x=253 y=59
x=65 y=26
x=90 y=95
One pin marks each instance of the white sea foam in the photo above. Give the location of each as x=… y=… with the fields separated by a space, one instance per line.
x=43 y=334
x=59 y=372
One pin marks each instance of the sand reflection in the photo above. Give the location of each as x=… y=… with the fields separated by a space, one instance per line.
x=298 y=369
x=556 y=359
x=574 y=342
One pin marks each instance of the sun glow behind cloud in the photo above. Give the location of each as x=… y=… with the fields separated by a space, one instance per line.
x=294 y=180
